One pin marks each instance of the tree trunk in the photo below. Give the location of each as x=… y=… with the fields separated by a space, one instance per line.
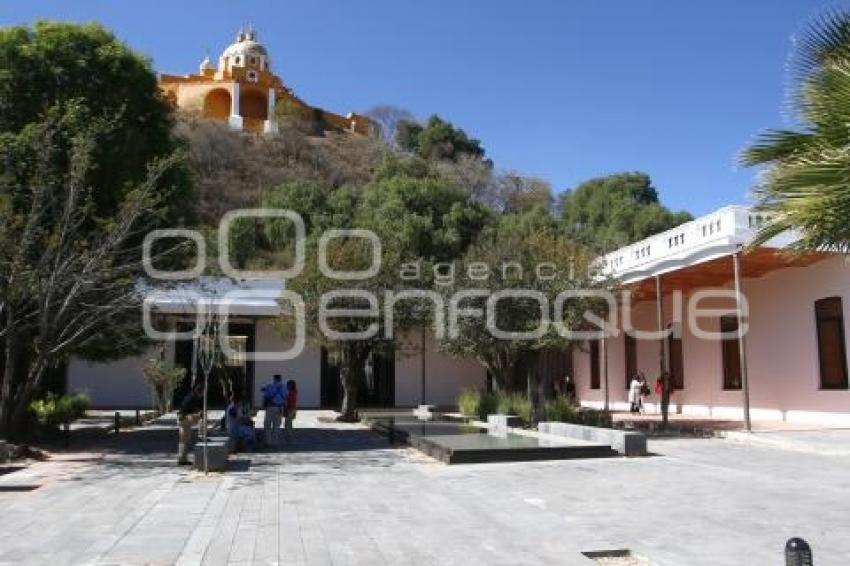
x=26 y=392
x=348 y=377
x=350 y=373
x=503 y=372
x=10 y=359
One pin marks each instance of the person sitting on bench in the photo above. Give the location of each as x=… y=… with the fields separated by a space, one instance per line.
x=239 y=425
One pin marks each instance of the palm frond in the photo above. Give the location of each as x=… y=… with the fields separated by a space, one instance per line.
x=806 y=186
x=775 y=145
x=825 y=40
x=810 y=197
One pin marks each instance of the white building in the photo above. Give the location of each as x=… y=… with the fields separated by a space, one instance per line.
x=794 y=366
x=415 y=375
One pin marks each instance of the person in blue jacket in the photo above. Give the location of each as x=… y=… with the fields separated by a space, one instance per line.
x=274 y=400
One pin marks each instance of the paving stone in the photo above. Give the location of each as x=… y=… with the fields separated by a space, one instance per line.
x=341 y=496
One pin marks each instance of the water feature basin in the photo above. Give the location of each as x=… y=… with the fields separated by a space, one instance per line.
x=455 y=442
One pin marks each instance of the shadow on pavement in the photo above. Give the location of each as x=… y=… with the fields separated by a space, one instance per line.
x=155 y=446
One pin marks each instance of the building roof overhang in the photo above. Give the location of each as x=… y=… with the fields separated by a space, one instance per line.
x=697 y=254
x=221 y=295
x=718 y=270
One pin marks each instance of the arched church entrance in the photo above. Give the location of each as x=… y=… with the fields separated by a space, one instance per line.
x=217 y=104
x=253 y=105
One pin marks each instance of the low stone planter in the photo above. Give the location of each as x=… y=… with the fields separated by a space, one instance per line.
x=625 y=442
x=499 y=424
x=217 y=452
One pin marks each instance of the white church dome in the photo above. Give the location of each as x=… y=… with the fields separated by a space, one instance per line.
x=244 y=48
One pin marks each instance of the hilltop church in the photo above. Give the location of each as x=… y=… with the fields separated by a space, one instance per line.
x=244 y=92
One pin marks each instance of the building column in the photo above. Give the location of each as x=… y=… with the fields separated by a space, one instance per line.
x=659 y=318
x=270 y=125
x=235 y=120
x=422 y=395
x=662 y=350
x=604 y=348
x=742 y=343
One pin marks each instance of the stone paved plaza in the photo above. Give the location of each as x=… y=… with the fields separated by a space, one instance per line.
x=342 y=496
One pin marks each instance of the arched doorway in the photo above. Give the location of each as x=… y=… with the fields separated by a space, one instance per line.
x=253 y=105
x=217 y=104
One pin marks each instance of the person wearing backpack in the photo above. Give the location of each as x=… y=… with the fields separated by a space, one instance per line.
x=274 y=400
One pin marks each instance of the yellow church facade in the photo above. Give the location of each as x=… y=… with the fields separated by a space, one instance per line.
x=244 y=92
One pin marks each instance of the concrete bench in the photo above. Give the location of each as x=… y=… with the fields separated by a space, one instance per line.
x=217 y=452
x=625 y=442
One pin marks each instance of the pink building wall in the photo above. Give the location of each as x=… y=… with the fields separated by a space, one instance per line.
x=782 y=354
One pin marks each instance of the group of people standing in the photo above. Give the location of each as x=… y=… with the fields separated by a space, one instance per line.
x=638 y=392
x=280 y=404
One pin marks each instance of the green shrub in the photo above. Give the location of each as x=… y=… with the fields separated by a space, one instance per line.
x=53 y=411
x=467 y=402
x=476 y=404
x=560 y=409
x=164 y=381
x=516 y=404
x=488 y=405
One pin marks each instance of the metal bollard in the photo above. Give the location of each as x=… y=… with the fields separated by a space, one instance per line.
x=798 y=552
x=117 y=422
x=138 y=418
x=66 y=434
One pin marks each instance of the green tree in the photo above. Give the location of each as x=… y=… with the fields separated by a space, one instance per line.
x=513 y=250
x=423 y=213
x=437 y=139
x=610 y=212
x=419 y=217
x=805 y=187
x=89 y=165
x=85 y=66
x=349 y=353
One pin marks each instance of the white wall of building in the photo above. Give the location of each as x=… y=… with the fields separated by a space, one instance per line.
x=305 y=368
x=122 y=384
x=111 y=384
x=445 y=376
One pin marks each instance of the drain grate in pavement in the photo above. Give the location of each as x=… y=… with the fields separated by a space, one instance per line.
x=15 y=488
x=618 y=557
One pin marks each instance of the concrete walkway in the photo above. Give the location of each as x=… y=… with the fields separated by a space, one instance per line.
x=340 y=495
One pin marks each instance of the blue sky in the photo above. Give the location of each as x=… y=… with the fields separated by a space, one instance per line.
x=563 y=90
